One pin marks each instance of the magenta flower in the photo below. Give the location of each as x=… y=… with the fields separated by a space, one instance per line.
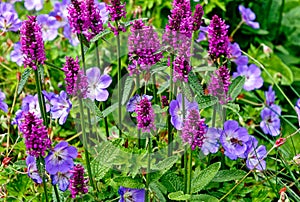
x=78 y=183
x=145 y=115
x=129 y=194
x=116 y=12
x=218 y=38
x=60 y=158
x=248 y=17
x=97 y=84
x=3 y=105
x=176 y=109
x=32 y=43
x=78 y=16
x=35 y=135
x=197 y=18
x=96 y=23
x=211 y=141
x=182 y=68
x=252 y=75
x=194 y=129
x=32 y=170
x=234 y=139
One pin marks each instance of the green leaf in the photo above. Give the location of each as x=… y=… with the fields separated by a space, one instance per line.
x=195 y=84
x=129 y=182
x=203 y=198
x=236 y=87
x=228 y=175
x=157 y=187
x=109 y=109
x=93 y=108
x=204 y=177
x=100 y=35
x=206 y=101
x=172 y=182
x=105 y=153
x=179 y=196
x=163 y=87
x=127 y=89
x=187 y=92
x=165 y=164
x=24 y=79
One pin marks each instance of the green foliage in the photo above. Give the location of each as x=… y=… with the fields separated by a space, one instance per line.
x=206 y=101
x=24 y=79
x=236 y=87
x=179 y=196
x=228 y=175
x=172 y=182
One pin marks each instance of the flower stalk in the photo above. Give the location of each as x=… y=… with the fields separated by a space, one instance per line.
x=119 y=81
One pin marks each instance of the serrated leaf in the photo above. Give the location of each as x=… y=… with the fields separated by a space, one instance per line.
x=236 y=87
x=195 y=84
x=233 y=107
x=165 y=164
x=158 y=193
x=206 y=101
x=158 y=68
x=172 y=182
x=203 y=198
x=129 y=182
x=93 y=108
x=100 y=35
x=24 y=79
x=179 y=196
x=127 y=89
x=105 y=153
x=187 y=92
x=204 y=177
x=228 y=175
x=109 y=109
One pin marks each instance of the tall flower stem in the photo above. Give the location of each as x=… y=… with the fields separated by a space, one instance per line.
x=40 y=97
x=139 y=93
x=119 y=82
x=41 y=168
x=154 y=88
x=213 y=124
x=56 y=193
x=189 y=171
x=237 y=28
x=148 y=167
x=86 y=152
x=170 y=135
x=103 y=103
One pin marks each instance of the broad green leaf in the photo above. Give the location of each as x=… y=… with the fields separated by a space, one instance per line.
x=165 y=164
x=129 y=182
x=204 y=177
x=157 y=109
x=172 y=182
x=93 y=108
x=127 y=89
x=296 y=73
x=236 y=87
x=156 y=188
x=203 y=198
x=24 y=79
x=195 y=84
x=105 y=153
x=206 y=101
x=179 y=196
x=228 y=175
x=187 y=92
x=109 y=109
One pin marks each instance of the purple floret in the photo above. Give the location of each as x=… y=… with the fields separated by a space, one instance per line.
x=211 y=141
x=49 y=26
x=3 y=105
x=32 y=170
x=129 y=194
x=248 y=17
x=270 y=123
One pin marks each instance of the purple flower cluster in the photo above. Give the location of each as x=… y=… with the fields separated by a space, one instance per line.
x=134 y=101
x=197 y=19
x=60 y=105
x=96 y=24
x=142 y=45
x=116 y=12
x=219 y=84
x=97 y=84
x=9 y=20
x=78 y=183
x=248 y=17
x=129 y=194
x=76 y=81
x=49 y=26
x=182 y=68
x=78 y=16
x=145 y=115
x=3 y=105
x=59 y=163
x=32 y=43
x=194 y=129
x=270 y=123
x=218 y=38
x=237 y=143
x=35 y=134
x=176 y=110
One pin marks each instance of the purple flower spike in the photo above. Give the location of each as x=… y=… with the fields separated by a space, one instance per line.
x=32 y=43
x=233 y=139
x=97 y=84
x=270 y=123
x=62 y=179
x=211 y=141
x=116 y=10
x=78 y=183
x=217 y=38
x=134 y=101
x=16 y=55
x=96 y=24
x=194 y=129
x=36 y=135
x=297 y=108
x=248 y=17
x=145 y=115
x=32 y=170
x=182 y=69
x=252 y=74
x=49 y=26
x=198 y=17
x=175 y=110
x=78 y=16
x=129 y=194
x=3 y=105
x=34 y=4
x=60 y=158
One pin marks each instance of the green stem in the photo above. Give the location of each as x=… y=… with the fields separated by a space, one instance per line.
x=170 y=135
x=53 y=66
x=236 y=29
x=56 y=193
x=148 y=167
x=189 y=171
x=139 y=93
x=86 y=153
x=41 y=162
x=154 y=89
x=103 y=103
x=119 y=82
x=213 y=124
x=45 y=188
x=40 y=98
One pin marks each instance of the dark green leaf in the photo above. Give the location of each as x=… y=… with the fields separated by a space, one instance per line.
x=172 y=182
x=203 y=198
x=101 y=34
x=228 y=175
x=165 y=164
x=156 y=187
x=129 y=182
x=93 y=108
x=206 y=101
x=187 y=92
x=236 y=87
x=195 y=84
x=109 y=109
x=127 y=89
x=24 y=79
x=179 y=196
